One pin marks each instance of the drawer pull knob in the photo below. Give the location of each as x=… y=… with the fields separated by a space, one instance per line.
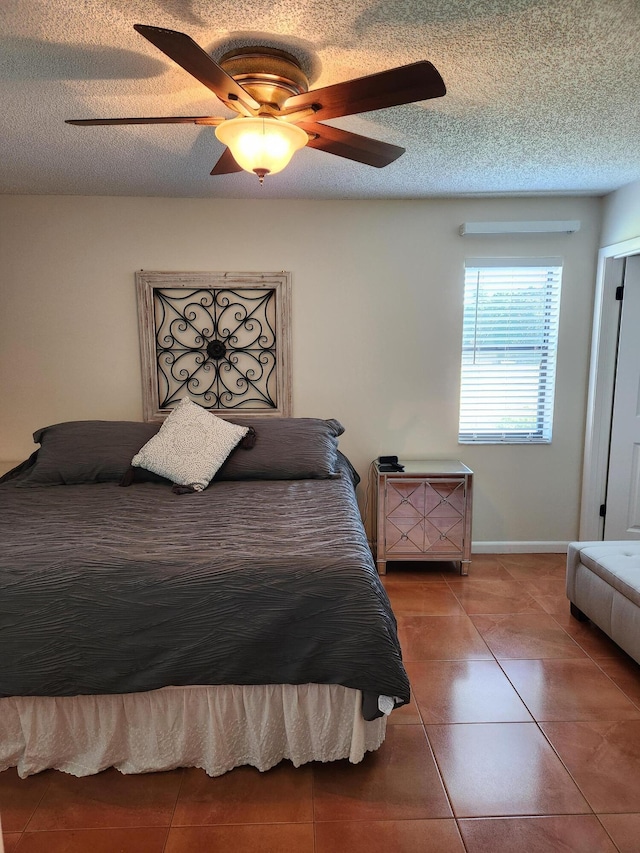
x=443 y=535
x=403 y=536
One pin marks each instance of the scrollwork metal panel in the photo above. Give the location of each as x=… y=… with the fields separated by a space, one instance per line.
x=221 y=339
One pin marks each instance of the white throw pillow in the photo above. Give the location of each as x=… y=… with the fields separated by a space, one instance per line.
x=190 y=446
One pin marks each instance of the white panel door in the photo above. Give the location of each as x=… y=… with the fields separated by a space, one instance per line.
x=622 y=519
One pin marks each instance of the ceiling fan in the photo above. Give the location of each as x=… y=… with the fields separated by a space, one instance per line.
x=276 y=113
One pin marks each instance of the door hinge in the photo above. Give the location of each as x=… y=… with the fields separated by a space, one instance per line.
x=603 y=510
x=619 y=292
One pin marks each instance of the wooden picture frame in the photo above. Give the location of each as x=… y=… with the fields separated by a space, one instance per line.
x=223 y=339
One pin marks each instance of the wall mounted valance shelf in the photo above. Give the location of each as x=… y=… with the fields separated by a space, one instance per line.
x=555 y=226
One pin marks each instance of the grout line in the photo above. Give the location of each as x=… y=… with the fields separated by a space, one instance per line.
x=440 y=773
x=175 y=806
x=633 y=702
x=544 y=734
x=607 y=831
x=561 y=760
x=39 y=803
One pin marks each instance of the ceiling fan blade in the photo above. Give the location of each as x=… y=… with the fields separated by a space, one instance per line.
x=403 y=85
x=190 y=56
x=226 y=165
x=206 y=120
x=343 y=143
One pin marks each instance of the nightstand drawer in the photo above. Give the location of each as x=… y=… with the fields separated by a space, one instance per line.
x=405 y=499
x=444 y=535
x=404 y=535
x=446 y=498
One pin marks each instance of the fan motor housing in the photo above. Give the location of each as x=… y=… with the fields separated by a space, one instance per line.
x=269 y=75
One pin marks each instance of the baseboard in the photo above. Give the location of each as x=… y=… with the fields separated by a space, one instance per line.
x=519 y=547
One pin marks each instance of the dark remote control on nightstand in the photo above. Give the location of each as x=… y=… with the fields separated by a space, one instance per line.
x=389 y=463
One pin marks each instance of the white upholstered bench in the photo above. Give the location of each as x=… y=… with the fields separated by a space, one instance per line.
x=603 y=585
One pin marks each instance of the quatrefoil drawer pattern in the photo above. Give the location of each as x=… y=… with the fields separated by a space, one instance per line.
x=424 y=517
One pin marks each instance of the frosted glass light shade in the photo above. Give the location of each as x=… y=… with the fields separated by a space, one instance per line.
x=261 y=145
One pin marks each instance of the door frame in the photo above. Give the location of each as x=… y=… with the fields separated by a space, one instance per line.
x=604 y=346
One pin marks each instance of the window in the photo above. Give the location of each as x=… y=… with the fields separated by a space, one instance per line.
x=509 y=343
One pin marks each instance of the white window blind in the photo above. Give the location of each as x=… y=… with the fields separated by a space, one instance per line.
x=509 y=343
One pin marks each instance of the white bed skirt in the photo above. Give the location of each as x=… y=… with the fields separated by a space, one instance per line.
x=214 y=728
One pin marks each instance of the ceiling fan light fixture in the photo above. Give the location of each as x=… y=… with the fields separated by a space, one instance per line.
x=261 y=145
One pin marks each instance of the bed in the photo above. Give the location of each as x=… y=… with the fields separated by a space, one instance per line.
x=155 y=626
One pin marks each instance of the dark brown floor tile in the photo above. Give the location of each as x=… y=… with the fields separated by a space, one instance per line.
x=475 y=691
x=398 y=782
x=245 y=795
x=486 y=567
x=568 y=690
x=528 y=566
x=526 y=635
x=19 y=798
x=624 y=829
x=107 y=800
x=557 y=834
x=245 y=838
x=440 y=638
x=493 y=596
x=589 y=637
x=550 y=594
x=534 y=560
x=546 y=586
x=604 y=759
x=132 y=840
x=428 y=598
x=11 y=841
x=521 y=573
x=625 y=674
x=389 y=836
x=501 y=769
x=553 y=605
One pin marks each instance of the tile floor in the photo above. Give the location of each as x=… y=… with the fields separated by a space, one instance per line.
x=523 y=735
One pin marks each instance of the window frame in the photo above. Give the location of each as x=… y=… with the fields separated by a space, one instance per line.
x=547 y=345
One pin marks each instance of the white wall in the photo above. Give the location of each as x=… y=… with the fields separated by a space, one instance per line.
x=377 y=315
x=621 y=215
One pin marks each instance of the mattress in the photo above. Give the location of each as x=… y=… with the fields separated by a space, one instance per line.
x=106 y=590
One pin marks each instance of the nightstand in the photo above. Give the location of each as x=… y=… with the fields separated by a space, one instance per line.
x=424 y=512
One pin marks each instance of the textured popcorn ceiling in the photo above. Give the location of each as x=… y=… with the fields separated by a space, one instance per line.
x=543 y=95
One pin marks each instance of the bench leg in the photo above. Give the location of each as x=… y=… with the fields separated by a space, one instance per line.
x=578 y=614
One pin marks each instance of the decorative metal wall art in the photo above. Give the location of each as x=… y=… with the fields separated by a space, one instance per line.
x=221 y=339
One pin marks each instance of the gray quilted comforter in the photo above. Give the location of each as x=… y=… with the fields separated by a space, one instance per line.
x=112 y=590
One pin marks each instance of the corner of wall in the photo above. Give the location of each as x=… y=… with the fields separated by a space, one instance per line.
x=621 y=215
